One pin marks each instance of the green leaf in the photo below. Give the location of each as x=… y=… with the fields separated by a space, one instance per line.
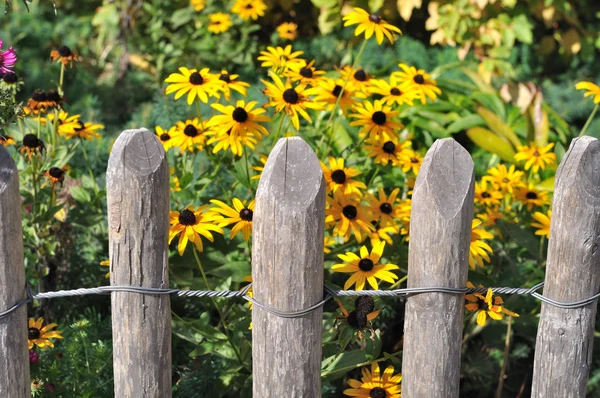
x=344 y=362
x=465 y=123
x=547 y=184
x=523 y=236
x=237 y=270
x=181 y=17
x=498 y=126
x=341 y=139
x=523 y=29
x=197 y=330
x=373 y=346
x=80 y=194
x=489 y=141
x=436 y=129
x=475 y=78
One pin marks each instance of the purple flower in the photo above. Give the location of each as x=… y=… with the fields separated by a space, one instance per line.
x=7 y=59
x=33 y=357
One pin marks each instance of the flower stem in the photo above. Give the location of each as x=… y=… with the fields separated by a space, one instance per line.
x=398 y=283
x=504 y=359
x=199 y=110
x=587 y=124
x=89 y=167
x=245 y=153
x=61 y=80
x=283 y=115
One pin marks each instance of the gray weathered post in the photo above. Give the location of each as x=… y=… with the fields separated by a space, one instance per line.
x=563 y=350
x=14 y=357
x=137 y=183
x=438 y=255
x=287 y=272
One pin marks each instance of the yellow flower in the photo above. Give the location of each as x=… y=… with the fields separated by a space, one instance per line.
x=198 y=5
x=228 y=82
x=175 y=187
x=488 y=305
x=392 y=93
x=373 y=384
x=328 y=241
x=386 y=151
x=411 y=161
x=66 y=124
x=263 y=160
x=384 y=208
x=487 y=195
x=543 y=223
x=591 y=88
x=478 y=249
x=382 y=232
x=219 y=22
x=166 y=137
x=239 y=120
x=280 y=59
x=506 y=179
x=305 y=72
x=64 y=55
x=348 y=216
x=189 y=135
x=365 y=268
x=189 y=224
x=536 y=157
x=340 y=177
x=247 y=9
x=530 y=197
x=376 y=121
x=419 y=81
x=288 y=30
x=357 y=79
x=240 y=215
x=292 y=100
x=86 y=131
x=197 y=84
x=7 y=140
x=40 y=336
x=328 y=91
x=369 y=24
x=106 y=263
x=224 y=140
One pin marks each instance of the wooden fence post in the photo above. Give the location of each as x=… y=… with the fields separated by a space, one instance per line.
x=563 y=350
x=14 y=356
x=137 y=183
x=287 y=272
x=440 y=233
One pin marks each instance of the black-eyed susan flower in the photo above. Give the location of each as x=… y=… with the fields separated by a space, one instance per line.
x=376 y=121
x=240 y=215
x=198 y=5
x=292 y=100
x=543 y=223
x=224 y=140
x=66 y=124
x=536 y=157
x=373 y=385
x=40 y=335
x=387 y=151
x=339 y=177
x=56 y=175
x=329 y=90
x=369 y=24
x=189 y=224
x=358 y=79
x=219 y=22
x=64 y=55
x=506 y=178
x=487 y=194
x=228 y=82
x=305 y=72
x=488 y=305
x=328 y=242
x=363 y=313
x=9 y=79
x=410 y=161
x=197 y=84
x=384 y=208
x=391 y=93
x=42 y=101
x=166 y=136
x=288 y=31
x=491 y=215
x=479 y=250
x=530 y=196
x=105 y=263
x=419 y=81
x=247 y=9
x=280 y=59
x=85 y=131
x=189 y=135
x=382 y=233
x=239 y=120
x=366 y=268
x=6 y=140
x=348 y=216
x=31 y=145
x=259 y=169
x=592 y=90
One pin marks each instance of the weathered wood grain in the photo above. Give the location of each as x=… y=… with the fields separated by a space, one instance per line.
x=440 y=232
x=287 y=272
x=565 y=337
x=138 y=218
x=14 y=356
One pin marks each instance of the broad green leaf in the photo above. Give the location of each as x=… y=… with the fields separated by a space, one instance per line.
x=80 y=194
x=436 y=129
x=498 y=126
x=547 y=184
x=489 y=141
x=475 y=78
x=465 y=123
x=343 y=363
x=341 y=139
x=492 y=102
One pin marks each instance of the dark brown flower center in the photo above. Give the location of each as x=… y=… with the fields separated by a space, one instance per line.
x=65 y=51
x=419 y=79
x=165 y=137
x=414 y=160
x=338 y=176
x=395 y=91
x=239 y=115
x=225 y=77
x=306 y=72
x=350 y=212
x=531 y=195
x=190 y=130
x=385 y=208
x=485 y=195
x=10 y=78
x=357 y=321
x=55 y=172
x=389 y=147
x=377 y=392
x=53 y=96
x=246 y=214
x=536 y=153
x=34 y=333
x=290 y=96
x=360 y=75
x=249 y=6
x=31 y=141
x=187 y=217
x=483 y=305
x=374 y=18
x=364 y=304
x=378 y=118
x=365 y=264
x=505 y=180
x=337 y=90
x=196 y=79
x=39 y=95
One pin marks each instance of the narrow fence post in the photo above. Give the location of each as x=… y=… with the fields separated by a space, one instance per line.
x=14 y=357
x=287 y=272
x=438 y=255
x=137 y=183
x=563 y=350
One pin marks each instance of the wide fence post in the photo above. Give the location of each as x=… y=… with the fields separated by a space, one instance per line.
x=137 y=183
x=563 y=350
x=14 y=357
x=440 y=233
x=287 y=272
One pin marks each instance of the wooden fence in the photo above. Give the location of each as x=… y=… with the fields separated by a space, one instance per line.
x=287 y=271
